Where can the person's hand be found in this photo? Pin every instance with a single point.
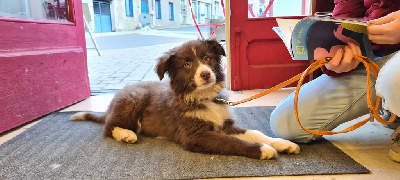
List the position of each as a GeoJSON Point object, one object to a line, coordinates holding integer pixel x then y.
{"type": "Point", "coordinates": [343, 60]}
{"type": "Point", "coordinates": [385, 30]}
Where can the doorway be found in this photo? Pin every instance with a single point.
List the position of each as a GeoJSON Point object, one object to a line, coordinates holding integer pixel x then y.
{"type": "Point", "coordinates": [144, 7]}
{"type": "Point", "coordinates": [102, 16]}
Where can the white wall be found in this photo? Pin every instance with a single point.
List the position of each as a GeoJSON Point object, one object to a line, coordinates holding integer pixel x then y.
{"type": "Point", "coordinates": [164, 21]}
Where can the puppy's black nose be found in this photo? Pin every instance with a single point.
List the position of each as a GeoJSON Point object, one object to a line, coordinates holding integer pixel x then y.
{"type": "Point", "coordinates": [205, 75]}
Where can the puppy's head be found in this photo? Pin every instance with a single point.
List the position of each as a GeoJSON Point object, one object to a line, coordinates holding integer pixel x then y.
{"type": "Point", "coordinates": [194, 68]}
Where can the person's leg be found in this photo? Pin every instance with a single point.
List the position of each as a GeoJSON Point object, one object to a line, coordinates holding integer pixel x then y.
{"type": "Point", "coordinates": [387, 85]}
{"type": "Point", "coordinates": [324, 103]}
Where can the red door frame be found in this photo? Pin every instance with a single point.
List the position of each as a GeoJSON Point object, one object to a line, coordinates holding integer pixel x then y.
{"type": "Point", "coordinates": [259, 58]}
{"type": "Point", "coordinates": [43, 66]}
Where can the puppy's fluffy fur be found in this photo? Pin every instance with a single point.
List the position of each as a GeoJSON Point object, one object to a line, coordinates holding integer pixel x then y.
{"type": "Point", "coordinates": [184, 110]}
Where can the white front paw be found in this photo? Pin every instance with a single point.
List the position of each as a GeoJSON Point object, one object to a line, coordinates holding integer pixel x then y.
{"type": "Point", "coordinates": [268, 152]}
{"type": "Point", "coordinates": [282, 145]}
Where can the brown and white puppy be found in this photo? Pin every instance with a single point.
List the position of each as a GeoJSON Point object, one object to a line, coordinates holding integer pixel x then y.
{"type": "Point", "coordinates": [184, 110]}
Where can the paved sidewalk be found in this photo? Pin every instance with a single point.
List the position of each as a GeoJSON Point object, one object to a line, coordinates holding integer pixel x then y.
{"type": "Point", "coordinates": [117, 68]}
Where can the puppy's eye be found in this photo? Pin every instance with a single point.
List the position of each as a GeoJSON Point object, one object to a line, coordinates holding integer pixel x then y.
{"type": "Point", "coordinates": [187, 65]}
{"type": "Point", "coordinates": [206, 58]}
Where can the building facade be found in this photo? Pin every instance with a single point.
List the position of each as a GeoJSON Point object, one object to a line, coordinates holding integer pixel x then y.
{"type": "Point", "coordinates": [126, 15]}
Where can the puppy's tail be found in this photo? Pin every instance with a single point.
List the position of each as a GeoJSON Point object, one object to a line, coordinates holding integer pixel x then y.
{"type": "Point", "coordinates": [85, 116]}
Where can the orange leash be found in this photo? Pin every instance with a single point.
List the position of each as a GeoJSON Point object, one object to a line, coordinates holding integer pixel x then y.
{"type": "Point", "coordinates": [369, 66]}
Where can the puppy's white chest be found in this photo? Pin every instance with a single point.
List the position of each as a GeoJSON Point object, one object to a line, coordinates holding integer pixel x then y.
{"type": "Point", "coordinates": [213, 112]}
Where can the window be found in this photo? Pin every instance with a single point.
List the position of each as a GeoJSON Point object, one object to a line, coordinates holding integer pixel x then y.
{"type": "Point", "coordinates": [129, 8]}
{"type": "Point", "coordinates": [215, 9]}
{"type": "Point", "coordinates": [212, 14]}
{"type": "Point", "coordinates": [257, 8]}
{"type": "Point", "coordinates": [171, 11]}
{"type": "Point", "coordinates": [39, 9]}
{"type": "Point", "coordinates": [194, 4]}
{"type": "Point", "coordinates": [207, 11]}
{"type": "Point", "coordinates": [183, 8]}
{"type": "Point", "coordinates": [158, 9]}
{"type": "Point", "coordinates": [198, 10]}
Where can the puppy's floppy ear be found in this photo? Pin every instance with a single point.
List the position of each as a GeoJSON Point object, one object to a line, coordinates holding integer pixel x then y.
{"type": "Point", "coordinates": [163, 64]}
{"type": "Point", "coordinates": [216, 46]}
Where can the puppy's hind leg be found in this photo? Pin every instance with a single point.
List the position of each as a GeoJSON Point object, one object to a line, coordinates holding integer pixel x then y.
{"type": "Point", "coordinates": [122, 127]}
{"type": "Point", "coordinates": [125, 112]}
{"type": "Point", "coordinates": [125, 135]}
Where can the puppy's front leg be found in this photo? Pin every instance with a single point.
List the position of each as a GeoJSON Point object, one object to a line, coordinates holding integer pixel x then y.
{"type": "Point", "coordinates": [281, 145]}
{"type": "Point", "coordinates": [215, 143]}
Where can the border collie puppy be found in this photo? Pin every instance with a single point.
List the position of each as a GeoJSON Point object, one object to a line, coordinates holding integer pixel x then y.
{"type": "Point", "coordinates": [185, 109]}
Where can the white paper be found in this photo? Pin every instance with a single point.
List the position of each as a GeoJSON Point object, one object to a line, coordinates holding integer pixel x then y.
{"type": "Point", "coordinates": [286, 28]}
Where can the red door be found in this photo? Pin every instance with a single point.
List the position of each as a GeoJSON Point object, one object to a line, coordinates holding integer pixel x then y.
{"type": "Point", "coordinates": [42, 59]}
{"type": "Point", "coordinates": [259, 58]}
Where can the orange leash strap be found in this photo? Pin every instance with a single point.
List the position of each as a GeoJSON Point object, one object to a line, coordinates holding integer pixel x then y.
{"type": "Point", "coordinates": [369, 66]}
{"type": "Point", "coordinates": [279, 86]}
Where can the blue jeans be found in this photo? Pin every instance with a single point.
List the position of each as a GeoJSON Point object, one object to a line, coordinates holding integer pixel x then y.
{"type": "Point", "coordinates": [326, 102]}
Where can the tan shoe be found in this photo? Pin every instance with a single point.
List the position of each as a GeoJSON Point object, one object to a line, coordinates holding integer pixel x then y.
{"type": "Point", "coordinates": [394, 152]}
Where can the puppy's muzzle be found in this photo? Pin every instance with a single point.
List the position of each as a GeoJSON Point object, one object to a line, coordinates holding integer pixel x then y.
{"type": "Point", "coordinates": [205, 75]}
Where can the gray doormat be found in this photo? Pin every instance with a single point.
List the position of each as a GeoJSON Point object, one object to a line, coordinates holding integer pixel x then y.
{"type": "Point", "coordinates": [57, 148]}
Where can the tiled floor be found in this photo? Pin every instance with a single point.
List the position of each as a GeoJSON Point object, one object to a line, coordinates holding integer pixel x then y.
{"type": "Point", "coordinates": [368, 145]}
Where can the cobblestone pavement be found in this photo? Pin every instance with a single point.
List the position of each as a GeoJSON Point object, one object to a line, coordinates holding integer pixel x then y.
{"type": "Point", "coordinates": [117, 68]}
